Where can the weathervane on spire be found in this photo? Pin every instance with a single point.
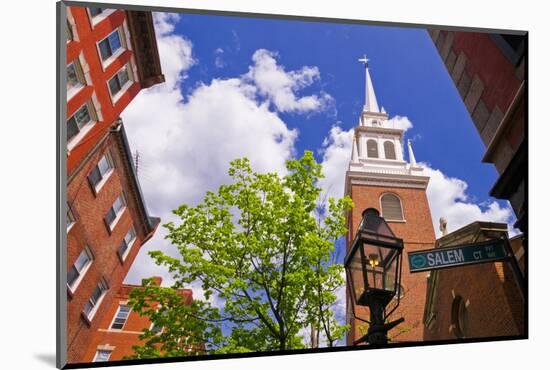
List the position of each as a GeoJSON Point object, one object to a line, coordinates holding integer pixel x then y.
{"type": "Point", "coordinates": [364, 60]}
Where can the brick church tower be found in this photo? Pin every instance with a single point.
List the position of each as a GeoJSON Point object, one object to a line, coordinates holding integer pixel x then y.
{"type": "Point", "coordinates": [379, 177]}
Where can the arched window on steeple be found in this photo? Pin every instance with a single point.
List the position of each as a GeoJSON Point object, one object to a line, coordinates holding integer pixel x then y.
{"type": "Point", "coordinates": [372, 148]}
{"type": "Point", "coordinates": [389, 150]}
{"type": "Point", "coordinates": [392, 209]}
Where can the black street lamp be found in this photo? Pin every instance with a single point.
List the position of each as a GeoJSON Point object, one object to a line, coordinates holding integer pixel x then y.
{"type": "Point", "coordinates": [373, 269]}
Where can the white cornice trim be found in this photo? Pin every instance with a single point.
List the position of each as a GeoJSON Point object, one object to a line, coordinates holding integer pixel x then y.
{"type": "Point", "coordinates": [382, 179]}
{"type": "Point", "coordinates": [380, 130]}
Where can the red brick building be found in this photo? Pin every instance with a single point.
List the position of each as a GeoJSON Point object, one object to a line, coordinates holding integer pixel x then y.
{"type": "Point", "coordinates": [380, 178]}
{"type": "Point", "coordinates": [111, 55]}
{"type": "Point", "coordinates": [107, 224]}
{"type": "Point", "coordinates": [489, 73]}
{"type": "Point", "coordinates": [121, 327]}
{"type": "Point", "coordinates": [475, 301]}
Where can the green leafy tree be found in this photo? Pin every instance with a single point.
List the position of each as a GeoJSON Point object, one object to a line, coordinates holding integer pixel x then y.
{"type": "Point", "coordinates": [179, 328]}
{"type": "Point", "coordinates": [260, 245]}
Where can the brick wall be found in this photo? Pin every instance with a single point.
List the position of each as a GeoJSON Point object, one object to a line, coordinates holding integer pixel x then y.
{"type": "Point", "coordinates": [493, 300]}
{"type": "Point", "coordinates": [90, 230]}
{"type": "Point", "coordinates": [121, 341]}
{"type": "Point", "coordinates": [85, 48]}
{"type": "Point", "coordinates": [417, 233]}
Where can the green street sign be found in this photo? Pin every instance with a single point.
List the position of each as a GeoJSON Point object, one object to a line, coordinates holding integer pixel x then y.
{"type": "Point", "coordinates": [459, 255]}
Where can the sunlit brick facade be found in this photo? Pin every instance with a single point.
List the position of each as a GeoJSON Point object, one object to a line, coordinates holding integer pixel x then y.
{"type": "Point", "coordinates": [379, 177]}
{"type": "Point", "coordinates": [119, 329]}
{"type": "Point", "coordinates": [111, 56]}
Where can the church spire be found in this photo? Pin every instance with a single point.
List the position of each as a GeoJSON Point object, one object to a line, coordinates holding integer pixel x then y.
{"type": "Point", "coordinates": [371, 105]}
{"type": "Point", "coordinates": [412, 159]}
{"type": "Point", "coordinates": [354, 154]}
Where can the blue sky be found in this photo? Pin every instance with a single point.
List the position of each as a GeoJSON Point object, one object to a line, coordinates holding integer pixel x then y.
{"type": "Point", "coordinates": [408, 75]}
{"type": "Point", "coordinates": [270, 89]}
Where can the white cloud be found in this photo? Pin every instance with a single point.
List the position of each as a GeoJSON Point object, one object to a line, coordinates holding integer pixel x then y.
{"type": "Point", "coordinates": [448, 198]}
{"type": "Point", "coordinates": [218, 61]}
{"type": "Point", "coordinates": [280, 87]}
{"type": "Point", "coordinates": [175, 51]}
{"type": "Point", "coordinates": [186, 143]}
{"type": "Point", "coordinates": [336, 156]}
{"type": "Point", "coordinates": [401, 122]}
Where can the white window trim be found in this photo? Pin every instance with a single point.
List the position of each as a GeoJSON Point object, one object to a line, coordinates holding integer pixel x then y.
{"type": "Point", "coordinates": [103, 180]}
{"type": "Point", "coordinates": [129, 247]}
{"type": "Point", "coordinates": [80, 277]}
{"type": "Point", "coordinates": [102, 350]}
{"type": "Point", "coordinates": [123, 47]}
{"type": "Point", "coordinates": [161, 329]}
{"type": "Point", "coordinates": [403, 220]}
{"type": "Point", "coordinates": [117, 218]}
{"type": "Point", "coordinates": [100, 17]}
{"type": "Point", "coordinates": [125, 87]}
{"type": "Point", "coordinates": [70, 226]}
{"type": "Point", "coordinates": [116, 313]}
{"type": "Point", "coordinates": [80, 76]}
{"type": "Point", "coordinates": [84, 131]}
{"type": "Point", "coordinates": [92, 313]}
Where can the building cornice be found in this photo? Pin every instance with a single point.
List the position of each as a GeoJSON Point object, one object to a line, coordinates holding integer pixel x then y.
{"type": "Point", "coordinates": [379, 130]}
{"type": "Point", "coordinates": [385, 179]}
{"type": "Point", "coordinates": [124, 148]}
{"type": "Point", "coordinates": [144, 45]}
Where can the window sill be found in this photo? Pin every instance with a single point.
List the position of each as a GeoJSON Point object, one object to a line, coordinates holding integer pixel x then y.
{"type": "Point", "coordinates": [77, 138]}
{"type": "Point", "coordinates": [72, 289]}
{"type": "Point", "coordinates": [113, 224]}
{"type": "Point", "coordinates": [127, 252]}
{"type": "Point", "coordinates": [397, 221]}
{"type": "Point", "coordinates": [100, 17]}
{"type": "Point", "coordinates": [88, 318]}
{"type": "Point", "coordinates": [102, 182]}
{"type": "Point", "coordinates": [70, 227]}
{"type": "Point", "coordinates": [74, 91]}
{"type": "Point", "coordinates": [107, 62]}
{"type": "Point", "coordinates": [123, 89]}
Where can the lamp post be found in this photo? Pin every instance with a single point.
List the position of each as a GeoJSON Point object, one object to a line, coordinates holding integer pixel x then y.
{"type": "Point", "coordinates": [373, 270]}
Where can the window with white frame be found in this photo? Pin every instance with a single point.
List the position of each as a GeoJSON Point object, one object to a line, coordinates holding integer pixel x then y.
{"type": "Point", "coordinates": [70, 35]}
{"type": "Point", "coordinates": [96, 11]}
{"type": "Point", "coordinates": [115, 211]}
{"type": "Point", "coordinates": [156, 328]}
{"type": "Point", "coordinates": [99, 14]}
{"type": "Point", "coordinates": [120, 81]}
{"type": "Point", "coordinates": [111, 45]}
{"type": "Point", "coordinates": [372, 148]}
{"type": "Point", "coordinates": [70, 217]}
{"type": "Point", "coordinates": [79, 268]}
{"type": "Point", "coordinates": [75, 78]}
{"type": "Point", "coordinates": [389, 150]}
{"type": "Point", "coordinates": [102, 356]}
{"type": "Point", "coordinates": [101, 171]}
{"type": "Point", "coordinates": [391, 207]}
{"type": "Point", "coordinates": [121, 316]}
{"type": "Point", "coordinates": [90, 308]}
{"type": "Point", "coordinates": [78, 123]}
{"type": "Point", "coordinates": [127, 243]}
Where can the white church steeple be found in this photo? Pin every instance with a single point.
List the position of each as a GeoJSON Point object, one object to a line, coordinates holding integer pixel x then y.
{"type": "Point", "coordinates": [371, 105]}
{"type": "Point", "coordinates": [377, 148]}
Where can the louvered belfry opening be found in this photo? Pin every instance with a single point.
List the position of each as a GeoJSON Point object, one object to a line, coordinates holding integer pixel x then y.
{"type": "Point", "coordinates": [372, 149]}
{"type": "Point", "coordinates": [389, 150]}
{"type": "Point", "coordinates": [391, 207]}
